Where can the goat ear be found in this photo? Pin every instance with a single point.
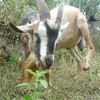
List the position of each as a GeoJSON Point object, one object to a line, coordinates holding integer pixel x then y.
{"type": "Point", "coordinates": [64, 26]}
{"type": "Point", "coordinates": [21, 29]}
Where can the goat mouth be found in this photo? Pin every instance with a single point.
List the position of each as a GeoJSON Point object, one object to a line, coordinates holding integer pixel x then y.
{"type": "Point", "coordinates": [40, 65]}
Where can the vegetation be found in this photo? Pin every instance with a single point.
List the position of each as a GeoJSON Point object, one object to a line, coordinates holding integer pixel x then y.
{"type": "Point", "coordinates": [66, 87]}
{"type": "Point", "coordinates": [38, 83]}
{"type": "Point", "coordinates": [63, 79]}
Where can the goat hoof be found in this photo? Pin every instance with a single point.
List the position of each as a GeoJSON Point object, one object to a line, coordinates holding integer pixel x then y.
{"type": "Point", "coordinates": [85, 69]}
{"type": "Point", "coordinates": [87, 65]}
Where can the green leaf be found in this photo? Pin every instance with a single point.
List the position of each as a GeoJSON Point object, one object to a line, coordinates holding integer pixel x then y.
{"type": "Point", "coordinates": [35, 94]}
{"type": "Point", "coordinates": [43, 83]}
{"type": "Point", "coordinates": [23, 84]}
{"type": "Point", "coordinates": [30, 71]}
{"type": "Point", "coordinates": [40, 73]}
{"type": "Point", "coordinates": [22, 98]}
{"type": "Point", "coordinates": [26, 97]}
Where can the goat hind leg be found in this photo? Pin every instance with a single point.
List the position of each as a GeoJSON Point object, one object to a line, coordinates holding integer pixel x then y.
{"type": "Point", "coordinates": [80, 61]}
{"type": "Point", "coordinates": [83, 26]}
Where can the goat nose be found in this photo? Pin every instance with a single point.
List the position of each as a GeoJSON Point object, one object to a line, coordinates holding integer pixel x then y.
{"type": "Point", "coordinates": [49, 60]}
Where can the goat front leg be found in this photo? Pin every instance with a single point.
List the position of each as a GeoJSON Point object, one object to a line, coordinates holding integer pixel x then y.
{"type": "Point", "coordinates": [20, 64]}
{"type": "Point", "coordinates": [21, 68]}
{"type": "Point", "coordinates": [32, 66]}
{"type": "Point", "coordinates": [48, 76]}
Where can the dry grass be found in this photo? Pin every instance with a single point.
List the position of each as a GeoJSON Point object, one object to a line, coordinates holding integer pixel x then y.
{"type": "Point", "coordinates": [63, 79]}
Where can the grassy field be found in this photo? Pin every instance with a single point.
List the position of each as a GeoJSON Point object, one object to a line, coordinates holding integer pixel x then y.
{"type": "Point", "coordinates": [87, 87]}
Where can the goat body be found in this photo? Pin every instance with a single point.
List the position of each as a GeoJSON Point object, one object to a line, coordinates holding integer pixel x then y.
{"type": "Point", "coordinates": [70, 38]}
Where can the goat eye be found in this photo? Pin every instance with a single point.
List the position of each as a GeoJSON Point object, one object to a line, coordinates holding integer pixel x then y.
{"type": "Point", "coordinates": [29, 22]}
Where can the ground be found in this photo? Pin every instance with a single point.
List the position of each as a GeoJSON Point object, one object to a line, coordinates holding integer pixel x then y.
{"type": "Point", "coordinates": [87, 87]}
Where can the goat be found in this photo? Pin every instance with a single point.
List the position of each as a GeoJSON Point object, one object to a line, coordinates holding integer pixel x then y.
{"type": "Point", "coordinates": [42, 52]}
{"type": "Point", "coordinates": [30, 17]}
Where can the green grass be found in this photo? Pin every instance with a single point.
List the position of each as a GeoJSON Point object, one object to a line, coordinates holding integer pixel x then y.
{"type": "Point", "coordinates": [87, 87]}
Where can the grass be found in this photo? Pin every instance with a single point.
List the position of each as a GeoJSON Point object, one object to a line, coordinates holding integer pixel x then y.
{"type": "Point", "coordinates": [87, 87]}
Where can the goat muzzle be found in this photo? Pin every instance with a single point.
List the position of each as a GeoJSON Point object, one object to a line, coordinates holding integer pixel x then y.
{"type": "Point", "coordinates": [49, 61]}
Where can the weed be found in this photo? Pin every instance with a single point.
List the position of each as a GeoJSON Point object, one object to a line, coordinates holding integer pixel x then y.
{"type": "Point", "coordinates": [36, 84]}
